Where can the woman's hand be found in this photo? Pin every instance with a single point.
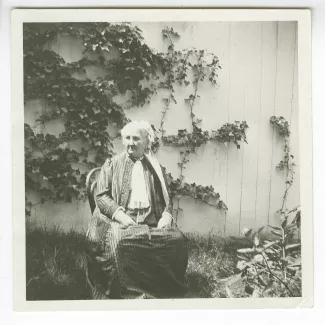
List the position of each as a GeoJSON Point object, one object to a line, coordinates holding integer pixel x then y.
{"type": "Point", "coordinates": [165, 221]}
{"type": "Point", "coordinates": [124, 219]}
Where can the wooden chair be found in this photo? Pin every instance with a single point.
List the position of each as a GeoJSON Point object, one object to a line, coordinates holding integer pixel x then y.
{"type": "Point", "coordinates": [91, 187]}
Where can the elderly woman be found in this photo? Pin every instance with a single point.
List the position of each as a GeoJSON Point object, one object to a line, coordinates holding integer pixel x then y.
{"type": "Point", "coordinates": [137, 251]}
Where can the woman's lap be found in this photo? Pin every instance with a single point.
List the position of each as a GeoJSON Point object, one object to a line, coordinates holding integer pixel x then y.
{"type": "Point", "coordinates": [140, 259]}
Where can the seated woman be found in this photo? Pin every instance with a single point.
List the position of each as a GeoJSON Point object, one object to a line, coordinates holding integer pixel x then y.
{"type": "Point", "coordinates": [137, 250]}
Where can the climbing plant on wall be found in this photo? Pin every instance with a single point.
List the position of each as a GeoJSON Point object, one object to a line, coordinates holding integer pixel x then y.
{"type": "Point", "coordinates": [88, 110]}
{"type": "Point", "coordinates": [287, 164]}
{"type": "Point", "coordinates": [202, 65]}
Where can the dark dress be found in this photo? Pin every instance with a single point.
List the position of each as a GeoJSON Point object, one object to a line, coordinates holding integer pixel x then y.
{"type": "Point", "coordinates": [140, 261]}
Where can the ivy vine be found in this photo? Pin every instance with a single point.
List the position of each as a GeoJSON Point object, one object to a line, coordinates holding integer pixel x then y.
{"type": "Point", "coordinates": [205, 194]}
{"type": "Point", "coordinates": [231, 133]}
{"type": "Point", "coordinates": [172, 59]}
{"type": "Point", "coordinates": [287, 163]}
{"type": "Point", "coordinates": [86, 107]}
{"type": "Point", "coordinates": [178, 70]}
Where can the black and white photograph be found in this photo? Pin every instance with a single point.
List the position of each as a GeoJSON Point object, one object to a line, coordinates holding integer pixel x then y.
{"type": "Point", "coordinates": [162, 157]}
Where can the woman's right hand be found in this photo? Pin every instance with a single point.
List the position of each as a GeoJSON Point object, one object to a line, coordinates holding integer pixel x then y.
{"type": "Point", "coordinates": [124, 219]}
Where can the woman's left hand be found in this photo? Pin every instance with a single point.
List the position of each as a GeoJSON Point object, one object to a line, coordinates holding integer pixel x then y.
{"type": "Point", "coordinates": [165, 221]}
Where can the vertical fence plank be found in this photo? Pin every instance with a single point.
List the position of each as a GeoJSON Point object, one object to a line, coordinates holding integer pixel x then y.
{"type": "Point", "coordinates": [268, 85]}
{"type": "Point", "coordinates": [211, 161]}
{"type": "Point", "coordinates": [294, 193]}
{"type": "Point", "coordinates": [252, 116]}
{"type": "Point", "coordinates": [236, 112]}
{"type": "Point", "coordinates": [220, 158]}
{"type": "Point", "coordinates": [283, 97]}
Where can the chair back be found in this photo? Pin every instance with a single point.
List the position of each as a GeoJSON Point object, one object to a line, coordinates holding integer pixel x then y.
{"type": "Point", "coordinates": [91, 183]}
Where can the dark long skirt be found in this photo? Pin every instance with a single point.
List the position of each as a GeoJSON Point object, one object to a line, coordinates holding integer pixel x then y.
{"type": "Point", "coordinates": [138, 262]}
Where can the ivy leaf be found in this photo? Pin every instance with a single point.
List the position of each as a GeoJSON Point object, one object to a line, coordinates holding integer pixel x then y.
{"type": "Point", "coordinates": [89, 99]}
{"type": "Point", "coordinates": [96, 110]}
{"type": "Point", "coordinates": [105, 48]}
{"type": "Point", "coordinates": [63, 146]}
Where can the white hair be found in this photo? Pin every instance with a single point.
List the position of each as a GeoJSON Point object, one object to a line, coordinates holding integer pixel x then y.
{"type": "Point", "coordinates": [143, 126]}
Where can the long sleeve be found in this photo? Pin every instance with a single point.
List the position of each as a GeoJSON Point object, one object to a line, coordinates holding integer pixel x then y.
{"type": "Point", "coordinates": [104, 200]}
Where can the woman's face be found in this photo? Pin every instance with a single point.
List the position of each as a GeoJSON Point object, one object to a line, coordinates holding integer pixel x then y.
{"type": "Point", "coordinates": [135, 143]}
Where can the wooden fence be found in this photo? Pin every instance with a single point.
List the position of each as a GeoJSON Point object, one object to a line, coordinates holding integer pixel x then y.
{"type": "Point", "coordinates": [258, 80]}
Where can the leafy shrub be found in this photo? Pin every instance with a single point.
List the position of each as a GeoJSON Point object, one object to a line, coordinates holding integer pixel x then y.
{"type": "Point", "coordinates": [272, 268]}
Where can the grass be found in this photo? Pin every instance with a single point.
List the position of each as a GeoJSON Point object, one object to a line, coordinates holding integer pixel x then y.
{"type": "Point", "coordinates": [56, 264]}
{"type": "Point", "coordinates": [212, 260]}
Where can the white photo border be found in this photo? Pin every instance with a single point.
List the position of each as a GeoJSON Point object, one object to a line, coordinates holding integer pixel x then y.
{"type": "Point", "coordinates": [303, 18]}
